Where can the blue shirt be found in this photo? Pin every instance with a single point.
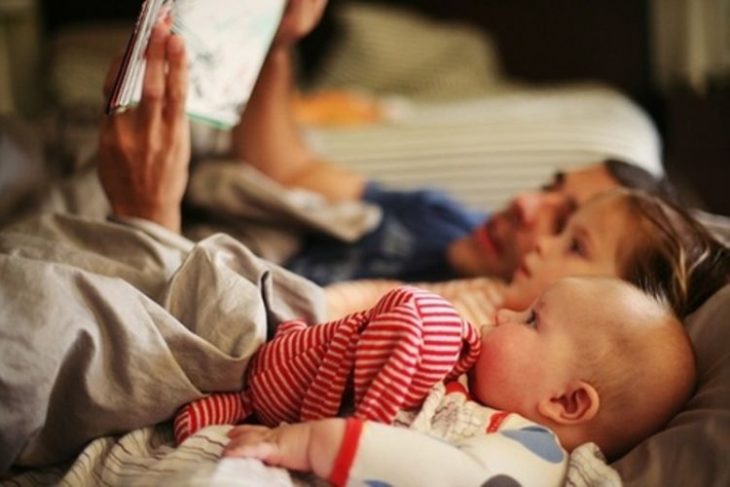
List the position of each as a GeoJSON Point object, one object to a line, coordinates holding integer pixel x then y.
{"type": "Point", "coordinates": [409, 244]}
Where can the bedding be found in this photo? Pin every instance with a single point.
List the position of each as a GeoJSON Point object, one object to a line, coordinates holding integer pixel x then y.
{"type": "Point", "coordinates": [93, 315]}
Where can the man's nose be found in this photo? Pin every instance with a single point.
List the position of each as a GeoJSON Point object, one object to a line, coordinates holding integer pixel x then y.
{"type": "Point", "coordinates": [527, 206]}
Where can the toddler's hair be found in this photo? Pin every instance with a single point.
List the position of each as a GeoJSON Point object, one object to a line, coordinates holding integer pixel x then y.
{"type": "Point", "coordinates": [670, 255]}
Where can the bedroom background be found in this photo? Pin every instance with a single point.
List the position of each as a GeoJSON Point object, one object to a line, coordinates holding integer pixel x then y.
{"type": "Point", "coordinates": [670, 56]}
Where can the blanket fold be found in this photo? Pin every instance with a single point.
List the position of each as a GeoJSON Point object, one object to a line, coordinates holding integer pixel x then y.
{"type": "Point", "coordinates": [107, 327]}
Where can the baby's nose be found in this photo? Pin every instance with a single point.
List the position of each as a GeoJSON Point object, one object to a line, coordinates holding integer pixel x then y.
{"type": "Point", "coordinates": [486, 329]}
{"type": "Point", "coordinates": [505, 315]}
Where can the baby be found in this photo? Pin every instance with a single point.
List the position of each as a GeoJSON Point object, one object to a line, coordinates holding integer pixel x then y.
{"type": "Point", "coordinates": [593, 360]}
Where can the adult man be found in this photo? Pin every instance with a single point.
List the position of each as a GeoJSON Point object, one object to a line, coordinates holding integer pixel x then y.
{"type": "Point", "coordinates": [423, 235]}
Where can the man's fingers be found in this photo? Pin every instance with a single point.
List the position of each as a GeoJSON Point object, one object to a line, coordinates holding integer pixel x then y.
{"type": "Point", "coordinates": [177, 80]}
{"type": "Point", "coordinates": [153, 90]}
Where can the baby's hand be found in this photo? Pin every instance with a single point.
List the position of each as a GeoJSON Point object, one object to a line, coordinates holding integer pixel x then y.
{"type": "Point", "coordinates": [284, 446]}
{"type": "Point", "coordinates": [309, 447]}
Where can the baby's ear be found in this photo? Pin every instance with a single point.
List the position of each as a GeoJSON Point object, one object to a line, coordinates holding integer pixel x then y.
{"type": "Point", "coordinates": [579, 403]}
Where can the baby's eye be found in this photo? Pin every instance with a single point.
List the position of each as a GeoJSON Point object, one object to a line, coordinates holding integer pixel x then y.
{"type": "Point", "coordinates": [532, 319]}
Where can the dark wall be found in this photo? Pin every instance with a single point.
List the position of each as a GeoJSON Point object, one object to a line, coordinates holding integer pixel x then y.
{"type": "Point", "coordinates": [557, 40]}
{"type": "Point", "coordinates": [57, 13]}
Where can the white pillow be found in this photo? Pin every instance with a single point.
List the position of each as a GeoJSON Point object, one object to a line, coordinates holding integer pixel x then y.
{"type": "Point", "coordinates": [693, 449]}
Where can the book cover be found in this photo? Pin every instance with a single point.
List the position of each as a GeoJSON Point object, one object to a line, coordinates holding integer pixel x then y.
{"type": "Point", "coordinates": [226, 43]}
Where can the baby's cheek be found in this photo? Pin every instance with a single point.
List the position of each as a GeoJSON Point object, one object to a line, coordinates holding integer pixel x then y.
{"type": "Point", "coordinates": [497, 378]}
{"type": "Point", "coordinates": [487, 373]}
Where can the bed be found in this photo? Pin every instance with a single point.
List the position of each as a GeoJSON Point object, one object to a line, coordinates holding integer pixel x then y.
{"type": "Point", "coordinates": [502, 137]}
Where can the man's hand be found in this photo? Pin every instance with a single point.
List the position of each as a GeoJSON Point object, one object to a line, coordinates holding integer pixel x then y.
{"type": "Point", "coordinates": [308, 447]}
{"type": "Point", "coordinates": [144, 152]}
{"type": "Point", "coordinates": [300, 18]}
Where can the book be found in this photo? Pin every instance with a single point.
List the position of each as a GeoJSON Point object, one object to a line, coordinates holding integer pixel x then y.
{"type": "Point", "coordinates": [226, 43]}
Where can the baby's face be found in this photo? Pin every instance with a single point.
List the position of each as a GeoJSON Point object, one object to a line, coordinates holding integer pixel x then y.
{"type": "Point", "coordinates": [530, 355]}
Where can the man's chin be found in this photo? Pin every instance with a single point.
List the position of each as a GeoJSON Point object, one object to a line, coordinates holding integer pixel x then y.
{"type": "Point", "coordinates": [485, 243]}
{"type": "Point", "coordinates": [468, 258]}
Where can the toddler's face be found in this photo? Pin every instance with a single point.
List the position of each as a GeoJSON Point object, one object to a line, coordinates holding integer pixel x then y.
{"type": "Point", "coordinates": [588, 246]}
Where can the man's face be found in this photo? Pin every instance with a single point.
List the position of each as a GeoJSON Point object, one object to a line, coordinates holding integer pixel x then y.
{"type": "Point", "coordinates": [496, 248]}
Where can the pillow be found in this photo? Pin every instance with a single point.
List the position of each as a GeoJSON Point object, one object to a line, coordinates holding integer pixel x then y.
{"type": "Point", "coordinates": [718, 225]}
{"type": "Point", "coordinates": [693, 448]}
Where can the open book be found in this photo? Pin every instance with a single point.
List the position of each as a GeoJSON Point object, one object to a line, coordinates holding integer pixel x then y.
{"type": "Point", "coordinates": [226, 43]}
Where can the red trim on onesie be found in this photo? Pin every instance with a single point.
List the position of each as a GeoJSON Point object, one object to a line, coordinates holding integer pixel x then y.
{"type": "Point", "coordinates": [348, 448]}
{"type": "Point", "coordinates": [495, 422]}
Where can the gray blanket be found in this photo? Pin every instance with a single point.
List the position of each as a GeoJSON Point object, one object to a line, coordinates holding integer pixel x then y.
{"type": "Point", "coordinates": [106, 327]}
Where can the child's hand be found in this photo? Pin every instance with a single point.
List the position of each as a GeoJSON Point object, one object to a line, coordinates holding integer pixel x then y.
{"type": "Point", "coordinates": [284, 446]}
{"type": "Point", "coordinates": [302, 446]}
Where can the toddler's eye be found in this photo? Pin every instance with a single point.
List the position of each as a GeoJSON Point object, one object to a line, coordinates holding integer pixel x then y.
{"type": "Point", "coordinates": [532, 319]}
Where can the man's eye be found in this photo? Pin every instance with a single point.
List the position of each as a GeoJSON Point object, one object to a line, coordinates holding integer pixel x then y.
{"type": "Point", "coordinates": [555, 184]}
{"type": "Point", "coordinates": [547, 187]}
{"type": "Point", "coordinates": [576, 247]}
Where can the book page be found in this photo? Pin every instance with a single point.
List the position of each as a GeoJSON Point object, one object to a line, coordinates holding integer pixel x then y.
{"type": "Point", "coordinates": [227, 42]}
